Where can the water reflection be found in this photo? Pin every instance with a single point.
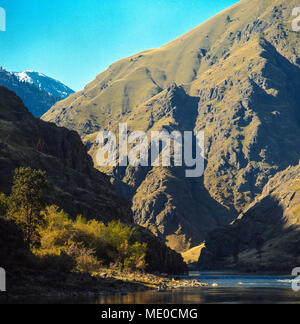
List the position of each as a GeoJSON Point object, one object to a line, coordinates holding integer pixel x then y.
{"type": "Point", "coordinates": [231, 288]}
{"type": "Point", "coordinates": [207, 296]}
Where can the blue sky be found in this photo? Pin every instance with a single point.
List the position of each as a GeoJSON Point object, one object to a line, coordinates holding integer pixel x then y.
{"type": "Point", "coordinates": [73, 41]}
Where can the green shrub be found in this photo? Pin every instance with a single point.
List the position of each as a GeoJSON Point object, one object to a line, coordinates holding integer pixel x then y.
{"type": "Point", "coordinates": [85, 259]}
{"type": "Point", "coordinates": [90, 243]}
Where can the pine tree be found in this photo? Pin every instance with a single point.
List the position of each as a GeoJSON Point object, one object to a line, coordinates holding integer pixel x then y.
{"type": "Point", "coordinates": [27, 201]}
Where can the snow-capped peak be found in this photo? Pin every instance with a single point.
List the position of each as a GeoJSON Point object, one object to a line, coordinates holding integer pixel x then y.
{"type": "Point", "coordinates": [24, 77]}
{"type": "Point", "coordinates": [42, 81]}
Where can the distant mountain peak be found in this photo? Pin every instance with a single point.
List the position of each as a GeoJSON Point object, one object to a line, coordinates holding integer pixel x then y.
{"type": "Point", "coordinates": [38, 91]}
{"type": "Point", "coordinates": [44, 82]}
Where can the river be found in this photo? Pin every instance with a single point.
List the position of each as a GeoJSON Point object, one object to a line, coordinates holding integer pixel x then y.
{"type": "Point", "coordinates": [229, 288]}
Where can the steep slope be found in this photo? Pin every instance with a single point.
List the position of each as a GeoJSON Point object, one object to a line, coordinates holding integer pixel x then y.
{"type": "Point", "coordinates": [43, 82]}
{"type": "Point", "coordinates": [75, 185]}
{"type": "Point", "coordinates": [37, 91]}
{"type": "Point", "coordinates": [236, 77]}
{"type": "Point", "coordinates": [267, 235]}
{"type": "Point", "coordinates": [173, 207]}
{"type": "Point", "coordinates": [250, 114]}
{"type": "Point", "coordinates": [192, 256]}
{"type": "Point", "coordinates": [134, 80]}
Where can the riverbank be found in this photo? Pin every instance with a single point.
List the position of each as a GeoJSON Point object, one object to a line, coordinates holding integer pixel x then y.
{"type": "Point", "coordinates": [50, 284]}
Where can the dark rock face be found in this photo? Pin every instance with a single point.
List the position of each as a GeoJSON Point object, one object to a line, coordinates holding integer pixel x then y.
{"type": "Point", "coordinates": [75, 185]}
{"type": "Point", "coordinates": [161, 258]}
{"type": "Point", "coordinates": [251, 122]}
{"type": "Point", "coordinates": [266, 236]}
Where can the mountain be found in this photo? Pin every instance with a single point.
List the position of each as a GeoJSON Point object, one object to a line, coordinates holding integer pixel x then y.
{"type": "Point", "coordinates": [235, 77]}
{"type": "Point", "coordinates": [37, 91]}
{"type": "Point", "coordinates": [266, 235]}
{"type": "Point", "coordinates": [75, 185]}
{"type": "Point", "coordinates": [43, 82]}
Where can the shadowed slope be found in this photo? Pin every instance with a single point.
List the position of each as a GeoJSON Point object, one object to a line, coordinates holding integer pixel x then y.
{"type": "Point", "coordinates": [76, 186]}
{"type": "Point", "coordinates": [266, 236]}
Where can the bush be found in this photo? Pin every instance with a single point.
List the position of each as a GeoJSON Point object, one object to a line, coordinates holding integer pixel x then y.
{"type": "Point", "coordinates": [90, 243]}
{"type": "Point", "coordinates": [56, 228]}
{"type": "Point", "coordinates": [87, 264]}
{"type": "Point", "coordinates": [85, 259]}
{"type": "Point", "coordinates": [55, 259]}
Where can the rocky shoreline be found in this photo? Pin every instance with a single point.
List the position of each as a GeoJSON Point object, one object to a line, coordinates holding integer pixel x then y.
{"type": "Point", "coordinates": [30, 285]}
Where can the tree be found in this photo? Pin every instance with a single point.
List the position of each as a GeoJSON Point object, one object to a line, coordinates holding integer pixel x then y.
{"type": "Point", "coordinates": [27, 201]}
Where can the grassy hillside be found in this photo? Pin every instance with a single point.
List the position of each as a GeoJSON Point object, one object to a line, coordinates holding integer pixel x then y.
{"type": "Point", "coordinates": [193, 255]}
{"type": "Point", "coordinates": [134, 80]}
{"type": "Point", "coordinates": [236, 77]}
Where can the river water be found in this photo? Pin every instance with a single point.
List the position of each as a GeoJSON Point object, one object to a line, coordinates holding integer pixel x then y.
{"type": "Point", "coordinates": [224, 288]}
